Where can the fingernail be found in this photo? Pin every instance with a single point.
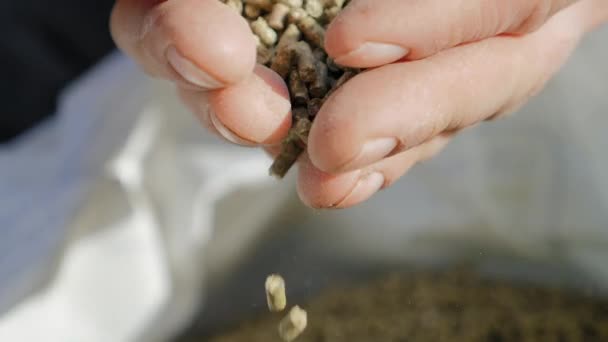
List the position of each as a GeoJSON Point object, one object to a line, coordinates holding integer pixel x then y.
{"type": "Point", "coordinates": [365, 188]}
{"type": "Point", "coordinates": [226, 132]}
{"type": "Point", "coordinates": [190, 72]}
{"type": "Point", "coordinates": [371, 152]}
{"type": "Point", "coordinates": [372, 54]}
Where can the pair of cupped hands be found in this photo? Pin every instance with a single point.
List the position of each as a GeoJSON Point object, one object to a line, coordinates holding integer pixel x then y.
{"type": "Point", "coordinates": [435, 68]}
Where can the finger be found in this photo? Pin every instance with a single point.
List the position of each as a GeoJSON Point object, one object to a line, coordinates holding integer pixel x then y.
{"type": "Point", "coordinates": [370, 33]}
{"type": "Point", "coordinates": [198, 43]}
{"type": "Point", "coordinates": [318, 189]}
{"type": "Point", "coordinates": [590, 14]}
{"type": "Point", "coordinates": [399, 106]}
{"type": "Point", "coordinates": [253, 112]}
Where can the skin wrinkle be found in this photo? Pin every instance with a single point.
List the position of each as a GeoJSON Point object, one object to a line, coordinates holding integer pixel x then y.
{"type": "Point", "coordinates": [197, 103]}
{"type": "Point", "coordinates": [441, 12]}
{"type": "Point", "coordinates": [536, 17]}
{"type": "Point", "coordinates": [329, 124]}
{"type": "Point", "coordinates": [339, 203]}
{"type": "Point", "coordinates": [461, 116]}
{"type": "Point", "coordinates": [534, 52]}
{"type": "Point", "coordinates": [155, 45]}
{"type": "Point", "coordinates": [151, 20]}
{"type": "Point", "coordinates": [540, 13]}
{"type": "Point", "coordinates": [332, 126]}
{"type": "Point", "coordinates": [316, 189]}
{"type": "Point", "coordinates": [351, 34]}
{"type": "Point", "coordinates": [460, 109]}
{"type": "Point", "coordinates": [439, 119]}
{"type": "Point", "coordinates": [469, 13]}
{"type": "Point", "coordinates": [432, 120]}
{"type": "Point", "coordinates": [493, 16]}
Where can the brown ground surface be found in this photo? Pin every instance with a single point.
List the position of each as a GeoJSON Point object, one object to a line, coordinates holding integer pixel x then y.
{"type": "Point", "coordinates": [451, 306]}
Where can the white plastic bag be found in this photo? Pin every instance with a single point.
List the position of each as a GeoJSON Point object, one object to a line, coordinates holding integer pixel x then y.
{"type": "Point", "coordinates": [134, 184]}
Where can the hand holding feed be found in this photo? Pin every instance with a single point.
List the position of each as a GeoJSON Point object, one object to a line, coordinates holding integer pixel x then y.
{"type": "Point", "coordinates": [465, 62]}
{"type": "Point", "coordinates": [436, 67]}
{"type": "Point", "coordinates": [207, 50]}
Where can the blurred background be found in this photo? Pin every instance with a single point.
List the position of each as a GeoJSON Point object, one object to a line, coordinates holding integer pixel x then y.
{"type": "Point", "coordinates": [123, 220]}
{"type": "Point", "coordinates": [44, 46]}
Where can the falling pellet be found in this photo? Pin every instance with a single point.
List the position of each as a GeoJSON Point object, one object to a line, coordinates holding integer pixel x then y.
{"type": "Point", "coordinates": [293, 324]}
{"type": "Point", "coordinates": [275, 293]}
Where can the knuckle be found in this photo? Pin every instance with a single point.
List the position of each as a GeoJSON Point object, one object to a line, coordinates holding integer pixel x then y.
{"type": "Point", "coordinates": [392, 179]}
{"type": "Point", "coordinates": [541, 11]}
{"type": "Point", "coordinates": [159, 21]}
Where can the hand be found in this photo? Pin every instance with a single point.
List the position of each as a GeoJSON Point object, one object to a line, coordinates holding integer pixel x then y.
{"type": "Point", "coordinates": [466, 61]}
{"type": "Point", "coordinates": [383, 121]}
{"type": "Point", "coordinates": [208, 51]}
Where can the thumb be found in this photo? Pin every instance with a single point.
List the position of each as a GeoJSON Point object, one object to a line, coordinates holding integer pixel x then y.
{"type": "Point", "coordinates": [200, 43]}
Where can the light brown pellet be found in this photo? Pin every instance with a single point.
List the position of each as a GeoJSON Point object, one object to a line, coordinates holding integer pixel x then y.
{"type": "Point", "coordinates": [293, 3]}
{"type": "Point", "coordinates": [276, 18]}
{"type": "Point", "coordinates": [284, 52]}
{"type": "Point", "coordinates": [314, 105]}
{"type": "Point", "coordinates": [275, 293]}
{"type": "Point", "coordinates": [302, 127]}
{"type": "Point", "coordinates": [297, 89]}
{"type": "Point", "coordinates": [312, 30]}
{"type": "Point", "coordinates": [267, 35]}
{"type": "Point", "coordinates": [314, 8]}
{"type": "Point", "coordinates": [236, 5]}
{"type": "Point", "coordinates": [295, 14]}
{"type": "Point", "coordinates": [263, 4]}
{"type": "Point", "coordinates": [331, 13]}
{"type": "Point", "coordinates": [305, 61]}
{"type": "Point", "coordinates": [319, 85]}
{"type": "Point", "coordinates": [293, 324]}
{"type": "Point", "coordinates": [290, 38]}
{"type": "Point", "coordinates": [252, 11]}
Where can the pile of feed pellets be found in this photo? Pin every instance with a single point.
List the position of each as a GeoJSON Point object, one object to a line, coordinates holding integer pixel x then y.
{"type": "Point", "coordinates": [290, 40]}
